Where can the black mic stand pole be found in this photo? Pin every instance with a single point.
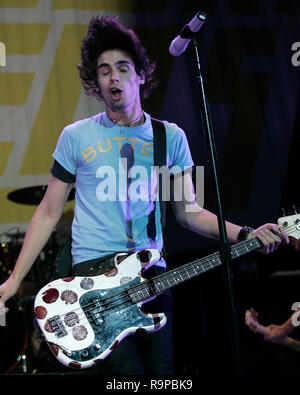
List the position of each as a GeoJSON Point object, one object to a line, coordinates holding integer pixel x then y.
{"type": "Point", "coordinates": [225, 252]}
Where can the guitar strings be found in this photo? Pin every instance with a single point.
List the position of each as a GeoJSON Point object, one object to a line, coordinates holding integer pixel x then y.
{"type": "Point", "coordinates": [136, 287]}
{"type": "Point", "coordinates": [187, 274]}
{"type": "Point", "coordinates": [141, 286]}
{"type": "Point", "coordinates": [115, 303]}
{"type": "Point", "coordinates": [124, 295]}
{"type": "Point", "coordinates": [239, 246]}
{"type": "Point", "coordinates": [188, 269]}
{"type": "Point", "coordinates": [112, 304]}
{"type": "Point", "coordinates": [145, 285]}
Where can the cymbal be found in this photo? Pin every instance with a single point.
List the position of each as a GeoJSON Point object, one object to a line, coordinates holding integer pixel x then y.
{"type": "Point", "coordinates": [32, 195]}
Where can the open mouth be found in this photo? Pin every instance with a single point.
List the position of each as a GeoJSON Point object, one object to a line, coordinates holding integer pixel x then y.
{"type": "Point", "coordinates": [116, 93]}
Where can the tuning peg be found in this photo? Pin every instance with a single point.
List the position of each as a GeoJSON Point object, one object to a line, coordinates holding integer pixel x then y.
{"type": "Point", "coordinates": [283, 212]}
{"type": "Point", "coordinates": [295, 210]}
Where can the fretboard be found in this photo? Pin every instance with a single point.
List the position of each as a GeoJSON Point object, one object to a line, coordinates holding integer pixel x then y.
{"type": "Point", "coordinates": [162, 282]}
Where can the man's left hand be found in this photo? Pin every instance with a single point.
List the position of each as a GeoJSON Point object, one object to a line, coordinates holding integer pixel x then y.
{"type": "Point", "coordinates": [271, 237]}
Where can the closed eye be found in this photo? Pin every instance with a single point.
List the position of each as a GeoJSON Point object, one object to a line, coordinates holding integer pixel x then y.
{"type": "Point", "coordinates": [123, 69]}
{"type": "Point", "coordinates": [123, 66]}
{"type": "Point", "coordinates": [103, 70]}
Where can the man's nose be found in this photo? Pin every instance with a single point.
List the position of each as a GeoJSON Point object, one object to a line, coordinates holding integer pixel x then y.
{"type": "Point", "coordinates": [115, 76]}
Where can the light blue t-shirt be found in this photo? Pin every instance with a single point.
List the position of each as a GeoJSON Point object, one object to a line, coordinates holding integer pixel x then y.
{"type": "Point", "coordinates": [115, 183]}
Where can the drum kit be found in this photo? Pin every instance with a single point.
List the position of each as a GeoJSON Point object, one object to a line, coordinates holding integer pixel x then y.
{"type": "Point", "coordinates": [20, 349]}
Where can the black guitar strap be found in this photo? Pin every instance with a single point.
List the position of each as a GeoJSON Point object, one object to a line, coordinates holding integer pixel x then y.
{"type": "Point", "coordinates": [160, 159]}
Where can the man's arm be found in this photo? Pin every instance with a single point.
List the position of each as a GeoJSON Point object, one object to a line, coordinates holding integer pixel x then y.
{"type": "Point", "coordinates": [277, 333]}
{"type": "Point", "coordinates": [38, 233]}
{"type": "Point", "coordinates": [191, 216]}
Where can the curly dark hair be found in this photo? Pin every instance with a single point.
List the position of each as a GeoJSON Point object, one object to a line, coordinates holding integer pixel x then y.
{"type": "Point", "coordinates": [107, 33]}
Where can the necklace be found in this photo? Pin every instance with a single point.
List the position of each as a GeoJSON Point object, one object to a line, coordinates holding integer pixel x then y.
{"type": "Point", "coordinates": [136, 120]}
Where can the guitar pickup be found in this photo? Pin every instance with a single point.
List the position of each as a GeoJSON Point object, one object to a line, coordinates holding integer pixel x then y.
{"type": "Point", "coordinates": [97, 319]}
{"type": "Point", "coordinates": [94, 314]}
{"type": "Point", "coordinates": [58, 326]}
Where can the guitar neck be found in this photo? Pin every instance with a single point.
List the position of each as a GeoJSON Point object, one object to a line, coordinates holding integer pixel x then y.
{"type": "Point", "coordinates": [162, 282]}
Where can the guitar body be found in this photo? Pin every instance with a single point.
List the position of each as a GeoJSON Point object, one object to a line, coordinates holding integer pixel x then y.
{"type": "Point", "coordinates": [84, 318]}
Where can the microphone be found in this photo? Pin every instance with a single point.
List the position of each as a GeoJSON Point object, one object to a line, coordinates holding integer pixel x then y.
{"type": "Point", "coordinates": [180, 43]}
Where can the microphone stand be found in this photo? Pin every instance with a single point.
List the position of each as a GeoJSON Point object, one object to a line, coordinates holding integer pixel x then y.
{"type": "Point", "coordinates": [225, 252]}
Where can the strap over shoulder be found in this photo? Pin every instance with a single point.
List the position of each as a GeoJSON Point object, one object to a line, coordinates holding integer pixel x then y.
{"type": "Point", "coordinates": [160, 158]}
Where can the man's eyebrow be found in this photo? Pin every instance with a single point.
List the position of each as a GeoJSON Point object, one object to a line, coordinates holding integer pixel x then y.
{"type": "Point", "coordinates": [120, 62]}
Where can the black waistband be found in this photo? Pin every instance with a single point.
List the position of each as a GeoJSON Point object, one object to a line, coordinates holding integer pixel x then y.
{"type": "Point", "coordinates": [95, 267]}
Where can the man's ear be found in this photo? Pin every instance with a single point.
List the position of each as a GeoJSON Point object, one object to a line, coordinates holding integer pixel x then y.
{"type": "Point", "coordinates": [97, 93]}
{"type": "Point", "coordinates": [142, 78]}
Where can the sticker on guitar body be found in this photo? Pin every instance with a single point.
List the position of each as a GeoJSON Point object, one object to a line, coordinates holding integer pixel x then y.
{"type": "Point", "coordinates": [83, 319]}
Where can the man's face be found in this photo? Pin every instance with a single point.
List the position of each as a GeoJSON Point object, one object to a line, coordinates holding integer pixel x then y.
{"type": "Point", "coordinates": [118, 81]}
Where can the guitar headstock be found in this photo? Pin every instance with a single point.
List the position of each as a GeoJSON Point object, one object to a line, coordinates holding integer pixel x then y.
{"type": "Point", "coordinates": [290, 224]}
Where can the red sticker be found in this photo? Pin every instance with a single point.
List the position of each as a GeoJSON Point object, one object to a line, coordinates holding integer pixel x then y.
{"type": "Point", "coordinates": [144, 256]}
{"type": "Point", "coordinates": [48, 327]}
{"type": "Point", "coordinates": [114, 345]}
{"type": "Point", "coordinates": [98, 360]}
{"type": "Point", "coordinates": [54, 348]}
{"type": "Point", "coordinates": [68, 279]}
{"type": "Point", "coordinates": [40, 312]}
{"type": "Point", "coordinates": [142, 331]}
{"type": "Point", "coordinates": [50, 295]}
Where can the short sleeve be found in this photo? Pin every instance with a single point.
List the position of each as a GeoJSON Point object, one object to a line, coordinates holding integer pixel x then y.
{"type": "Point", "coordinates": [66, 151]}
{"type": "Point", "coordinates": [178, 150]}
{"type": "Point", "coordinates": [58, 171]}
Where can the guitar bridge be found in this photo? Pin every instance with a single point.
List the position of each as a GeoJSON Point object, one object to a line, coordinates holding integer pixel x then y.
{"type": "Point", "coordinates": [58, 326]}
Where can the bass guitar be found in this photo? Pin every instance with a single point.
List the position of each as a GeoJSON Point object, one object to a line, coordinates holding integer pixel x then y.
{"type": "Point", "coordinates": [83, 319]}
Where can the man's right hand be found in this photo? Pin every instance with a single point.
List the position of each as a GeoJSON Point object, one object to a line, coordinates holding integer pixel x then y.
{"type": "Point", "coordinates": [7, 290]}
{"type": "Point", "coordinates": [41, 226]}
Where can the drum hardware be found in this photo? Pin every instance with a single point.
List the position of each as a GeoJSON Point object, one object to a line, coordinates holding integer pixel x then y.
{"type": "Point", "coordinates": [19, 351]}
{"type": "Point", "coordinates": [14, 338]}
{"type": "Point", "coordinates": [20, 347]}
{"type": "Point", "coordinates": [32, 195]}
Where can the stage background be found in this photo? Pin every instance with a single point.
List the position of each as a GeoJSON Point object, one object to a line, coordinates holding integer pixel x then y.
{"type": "Point", "coordinates": [251, 75]}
